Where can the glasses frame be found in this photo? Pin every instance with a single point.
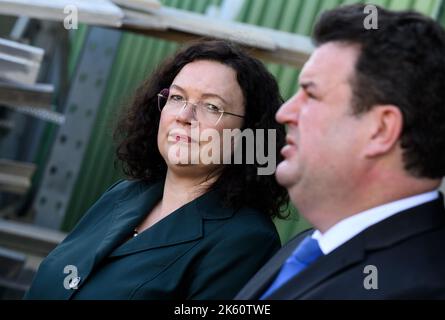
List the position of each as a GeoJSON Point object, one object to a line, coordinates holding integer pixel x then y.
{"type": "Point", "coordinates": [161, 95]}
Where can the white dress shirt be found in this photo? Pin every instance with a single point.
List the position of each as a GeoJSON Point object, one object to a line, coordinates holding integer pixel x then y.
{"type": "Point", "coordinates": [348, 228]}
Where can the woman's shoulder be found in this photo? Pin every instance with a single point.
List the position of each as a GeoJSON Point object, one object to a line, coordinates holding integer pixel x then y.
{"type": "Point", "coordinates": [242, 220]}
{"type": "Point", "coordinates": [122, 186]}
{"type": "Point", "coordinates": [251, 214]}
{"type": "Point", "coordinates": [124, 189]}
{"type": "Point", "coordinates": [119, 191]}
{"type": "Point", "coordinates": [252, 223]}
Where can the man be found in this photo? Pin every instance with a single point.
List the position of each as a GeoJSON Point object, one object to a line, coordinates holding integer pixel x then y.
{"type": "Point", "coordinates": [364, 159]}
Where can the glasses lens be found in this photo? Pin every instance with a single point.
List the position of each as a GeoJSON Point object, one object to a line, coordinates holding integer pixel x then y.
{"type": "Point", "coordinates": [202, 112]}
{"type": "Point", "coordinates": [208, 114]}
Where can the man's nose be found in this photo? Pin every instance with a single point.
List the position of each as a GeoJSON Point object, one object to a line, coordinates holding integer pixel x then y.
{"type": "Point", "coordinates": [288, 112]}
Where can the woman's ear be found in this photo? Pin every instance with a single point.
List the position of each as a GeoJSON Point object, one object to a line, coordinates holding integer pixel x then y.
{"type": "Point", "coordinates": [386, 124]}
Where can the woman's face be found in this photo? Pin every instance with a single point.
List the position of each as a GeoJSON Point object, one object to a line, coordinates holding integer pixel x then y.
{"type": "Point", "coordinates": [190, 139]}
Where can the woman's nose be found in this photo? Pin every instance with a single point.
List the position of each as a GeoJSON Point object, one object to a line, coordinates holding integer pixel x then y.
{"type": "Point", "coordinates": [186, 113]}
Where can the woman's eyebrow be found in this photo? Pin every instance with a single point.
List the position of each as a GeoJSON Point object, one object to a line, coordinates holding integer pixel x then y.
{"type": "Point", "coordinates": [175, 86]}
{"type": "Point", "coordinates": [214, 95]}
{"type": "Point", "coordinates": [205, 95]}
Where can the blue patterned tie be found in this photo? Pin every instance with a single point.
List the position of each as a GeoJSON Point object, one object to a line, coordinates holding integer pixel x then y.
{"type": "Point", "coordinates": [307, 252]}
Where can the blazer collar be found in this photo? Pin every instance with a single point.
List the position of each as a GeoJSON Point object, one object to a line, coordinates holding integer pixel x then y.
{"type": "Point", "coordinates": [183, 225]}
{"type": "Point", "coordinates": [401, 226]}
{"type": "Point", "coordinates": [126, 214]}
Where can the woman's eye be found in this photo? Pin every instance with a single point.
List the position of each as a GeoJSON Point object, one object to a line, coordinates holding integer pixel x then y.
{"type": "Point", "coordinates": [176, 97]}
{"type": "Point", "coordinates": [212, 108]}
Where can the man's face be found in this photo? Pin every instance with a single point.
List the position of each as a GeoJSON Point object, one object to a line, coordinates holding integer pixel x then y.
{"type": "Point", "coordinates": [324, 140]}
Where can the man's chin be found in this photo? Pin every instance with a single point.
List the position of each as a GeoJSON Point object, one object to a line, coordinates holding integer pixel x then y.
{"type": "Point", "coordinates": [283, 175]}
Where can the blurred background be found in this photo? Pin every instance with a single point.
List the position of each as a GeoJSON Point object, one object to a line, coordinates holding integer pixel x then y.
{"type": "Point", "coordinates": [62, 86]}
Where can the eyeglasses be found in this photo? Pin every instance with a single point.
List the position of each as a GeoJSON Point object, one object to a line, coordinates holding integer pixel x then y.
{"type": "Point", "coordinates": [204, 112]}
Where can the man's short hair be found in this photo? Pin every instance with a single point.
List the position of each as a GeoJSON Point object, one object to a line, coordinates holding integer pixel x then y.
{"type": "Point", "coordinates": [401, 63]}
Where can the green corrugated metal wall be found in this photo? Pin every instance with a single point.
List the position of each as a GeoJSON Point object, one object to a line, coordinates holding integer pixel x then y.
{"type": "Point", "coordinates": [137, 57]}
{"type": "Point", "coordinates": [441, 14]}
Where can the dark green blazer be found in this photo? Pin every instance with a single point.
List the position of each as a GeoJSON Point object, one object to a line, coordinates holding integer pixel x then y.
{"type": "Point", "coordinates": [200, 251]}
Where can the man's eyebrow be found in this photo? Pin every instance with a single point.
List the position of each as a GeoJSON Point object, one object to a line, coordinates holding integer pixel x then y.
{"type": "Point", "coordinates": [308, 85]}
{"type": "Point", "coordinates": [205, 95]}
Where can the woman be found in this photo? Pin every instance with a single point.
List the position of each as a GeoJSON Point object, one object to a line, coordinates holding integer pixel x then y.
{"type": "Point", "coordinates": [181, 227]}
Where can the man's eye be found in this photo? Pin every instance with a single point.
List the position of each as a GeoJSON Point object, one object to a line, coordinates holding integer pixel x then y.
{"type": "Point", "coordinates": [311, 95]}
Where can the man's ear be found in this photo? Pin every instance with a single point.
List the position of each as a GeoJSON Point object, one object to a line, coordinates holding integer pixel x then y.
{"type": "Point", "coordinates": [386, 123]}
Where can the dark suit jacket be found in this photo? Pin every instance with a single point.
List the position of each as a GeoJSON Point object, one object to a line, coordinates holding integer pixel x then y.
{"type": "Point", "coordinates": [200, 251]}
{"type": "Point", "coordinates": [407, 249]}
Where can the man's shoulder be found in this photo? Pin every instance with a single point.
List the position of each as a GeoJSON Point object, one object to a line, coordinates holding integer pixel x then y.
{"type": "Point", "coordinates": [411, 268]}
{"type": "Point", "coordinates": [422, 250]}
{"type": "Point", "coordinates": [415, 224]}
{"type": "Point", "coordinates": [405, 252]}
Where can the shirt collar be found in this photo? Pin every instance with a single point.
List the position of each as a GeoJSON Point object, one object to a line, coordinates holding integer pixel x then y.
{"type": "Point", "coordinates": [349, 227]}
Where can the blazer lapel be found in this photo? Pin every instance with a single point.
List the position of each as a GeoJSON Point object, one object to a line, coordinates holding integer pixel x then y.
{"type": "Point", "coordinates": [126, 215]}
{"type": "Point", "coordinates": [183, 225]}
{"type": "Point", "coordinates": [265, 276]}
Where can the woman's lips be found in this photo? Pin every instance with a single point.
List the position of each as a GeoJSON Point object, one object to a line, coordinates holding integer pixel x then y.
{"type": "Point", "coordinates": [183, 138]}
{"type": "Point", "coordinates": [176, 137]}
